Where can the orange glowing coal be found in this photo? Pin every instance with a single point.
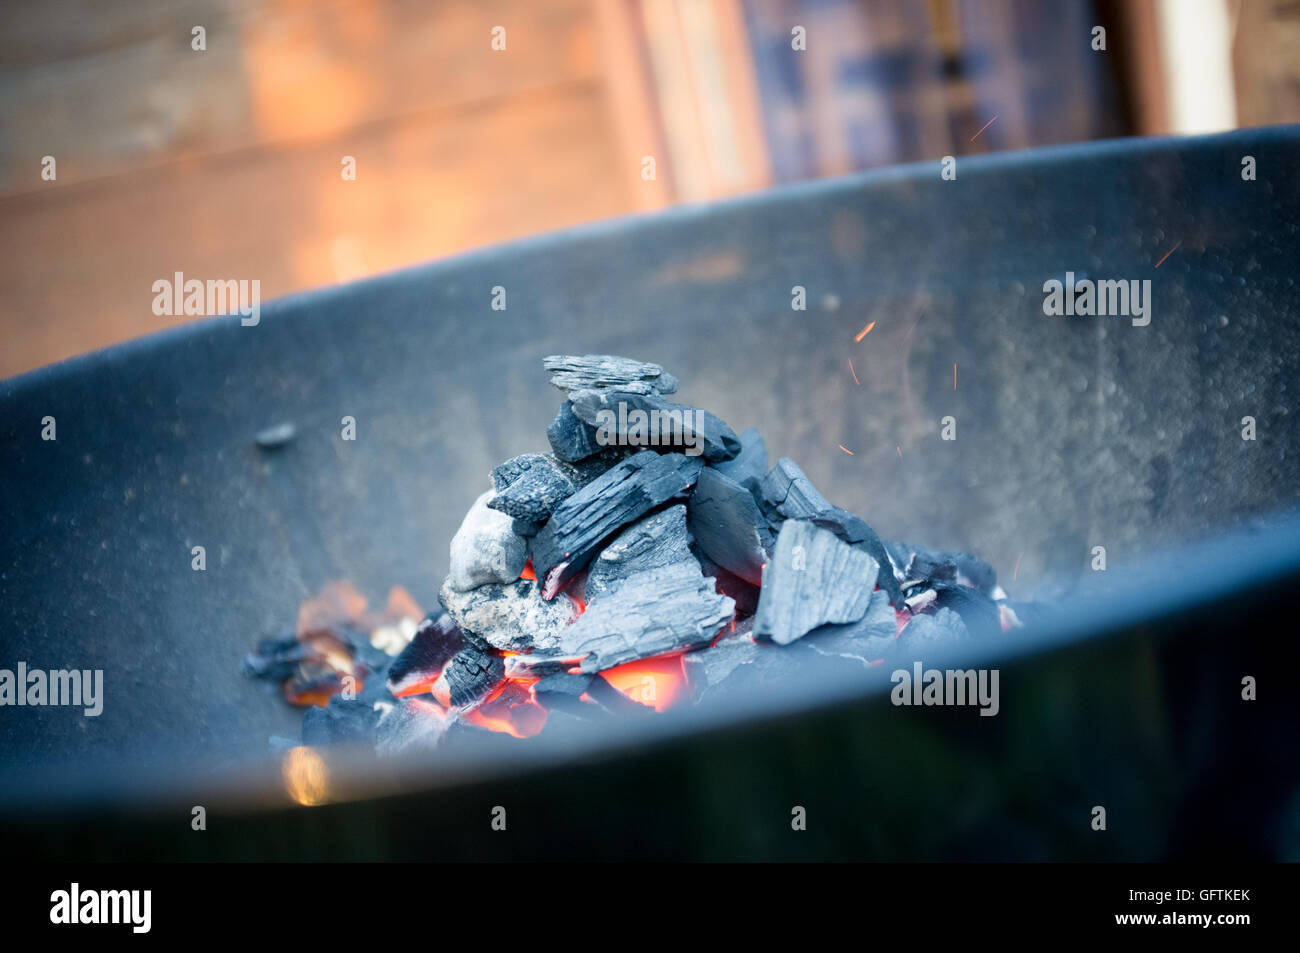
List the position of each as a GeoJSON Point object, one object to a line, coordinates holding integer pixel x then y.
{"type": "Point", "coordinates": [322, 618]}
{"type": "Point", "coordinates": [511, 708]}
{"type": "Point", "coordinates": [658, 682]}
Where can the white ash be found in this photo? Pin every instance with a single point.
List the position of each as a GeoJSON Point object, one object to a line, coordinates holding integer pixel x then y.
{"type": "Point", "coordinates": [485, 549]}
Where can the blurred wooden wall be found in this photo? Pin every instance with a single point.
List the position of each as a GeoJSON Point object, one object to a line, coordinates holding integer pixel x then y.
{"type": "Point", "coordinates": [226, 163]}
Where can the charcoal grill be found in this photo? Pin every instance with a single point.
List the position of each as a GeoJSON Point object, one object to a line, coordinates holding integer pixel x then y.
{"type": "Point", "coordinates": [1072, 433]}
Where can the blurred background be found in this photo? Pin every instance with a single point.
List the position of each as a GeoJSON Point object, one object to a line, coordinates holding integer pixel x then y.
{"type": "Point", "coordinates": [221, 152]}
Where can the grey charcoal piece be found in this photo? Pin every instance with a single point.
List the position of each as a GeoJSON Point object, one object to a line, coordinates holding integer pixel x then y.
{"type": "Point", "coordinates": [470, 675]}
{"type": "Point", "coordinates": [750, 463]}
{"type": "Point", "coordinates": [570, 372]}
{"type": "Point", "coordinates": [622, 418]}
{"type": "Point", "coordinates": [513, 618]}
{"type": "Point", "coordinates": [711, 665]}
{"type": "Point", "coordinates": [788, 490]}
{"type": "Point", "coordinates": [671, 608]}
{"type": "Point", "coordinates": [736, 665]}
{"type": "Point", "coordinates": [413, 724]}
{"type": "Point", "coordinates": [729, 527]}
{"type": "Point", "coordinates": [434, 644]}
{"type": "Point", "coordinates": [930, 631]}
{"type": "Point", "coordinates": [530, 487]}
{"type": "Point", "coordinates": [619, 496]}
{"type": "Point", "coordinates": [571, 439]}
{"type": "Point", "coordinates": [813, 579]}
{"type": "Point", "coordinates": [873, 637]}
{"type": "Point", "coordinates": [657, 540]}
{"type": "Point", "coordinates": [855, 531]}
{"type": "Point", "coordinates": [486, 548]}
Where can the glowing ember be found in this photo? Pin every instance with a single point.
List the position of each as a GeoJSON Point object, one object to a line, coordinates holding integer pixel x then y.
{"type": "Point", "coordinates": [510, 708]}
{"type": "Point", "coordinates": [655, 682]}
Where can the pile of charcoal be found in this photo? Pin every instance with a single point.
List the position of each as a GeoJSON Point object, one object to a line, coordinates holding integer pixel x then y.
{"type": "Point", "coordinates": [650, 559]}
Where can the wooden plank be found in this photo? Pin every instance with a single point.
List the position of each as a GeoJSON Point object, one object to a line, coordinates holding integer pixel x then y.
{"type": "Point", "coordinates": [77, 263]}
{"type": "Point", "coordinates": [109, 88]}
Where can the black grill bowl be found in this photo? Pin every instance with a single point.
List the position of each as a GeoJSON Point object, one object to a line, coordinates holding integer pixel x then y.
{"type": "Point", "coordinates": [1071, 433]}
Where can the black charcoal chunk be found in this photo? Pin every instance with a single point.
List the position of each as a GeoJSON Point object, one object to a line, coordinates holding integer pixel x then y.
{"type": "Point", "coordinates": [750, 463]}
{"type": "Point", "coordinates": [571, 439]}
{"type": "Point", "coordinates": [570, 372]}
{"type": "Point", "coordinates": [538, 664]}
{"type": "Point", "coordinates": [872, 637]}
{"type": "Point", "coordinates": [342, 721]}
{"type": "Point", "coordinates": [525, 529]}
{"type": "Point", "coordinates": [471, 674]}
{"type": "Point", "coordinates": [485, 549]}
{"type": "Point", "coordinates": [661, 610]}
{"type": "Point", "coordinates": [728, 526]}
{"type": "Point", "coordinates": [614, 702]}
{"type": "Point", "coordinates": [513, 618]}
{"type": "Point", "coordinates": [979, 613]}
{"type": "Point", "coordinates": [413, 724]}
{"type": "Point", "coordinates": [434, 644]}
{"type": "Point", "coordinates": [812, 579]}
{"type": "Point", "coordinates": [931, 565]}
{"type": "Point", "coordinates": [977, 573]}
{"type": "Point", "coordinates": [623, 494]}
{"type": "Point", "coordinates": [530, 487]}
{"type": "Point", "coordinates": [930, 631]}
{"type": "Point", "coordinates": [648, 420]}
{"type": "Point", "coordinates": [564, 692]}
{"type": "Point", "coordinates": [657, 540]}
{"type": "Point", "coordinates": [589, 468]}
{"type": "Point", "coordinates": [276, 659]}
{"type": "Point", "coordinates": [727, 583]}
{"type": "Point", "coordinates": [563, 683]}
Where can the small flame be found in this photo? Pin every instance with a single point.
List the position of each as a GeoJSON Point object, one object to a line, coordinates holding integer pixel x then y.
{"type": "Point", "coordinates": [528, 572]}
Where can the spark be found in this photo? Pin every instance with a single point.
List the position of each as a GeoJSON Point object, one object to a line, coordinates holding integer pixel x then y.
{"type": "Point", "coordinates": [854, 373]}
{"type": "Point", "coordinates": [845, 449]}
{"type": "Point", "coordinates": [1016, 571]}
{"type": "Point", "coordinates": [954, 375]}
{"type": "Point", "coordinates": [865, 331]}
{"type": "Point", "coordinates": [983, 127]}
{"type": "Point", "coordinates": [900, 452]}
{"type": "Point", "coordinates": [1168, 253]}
